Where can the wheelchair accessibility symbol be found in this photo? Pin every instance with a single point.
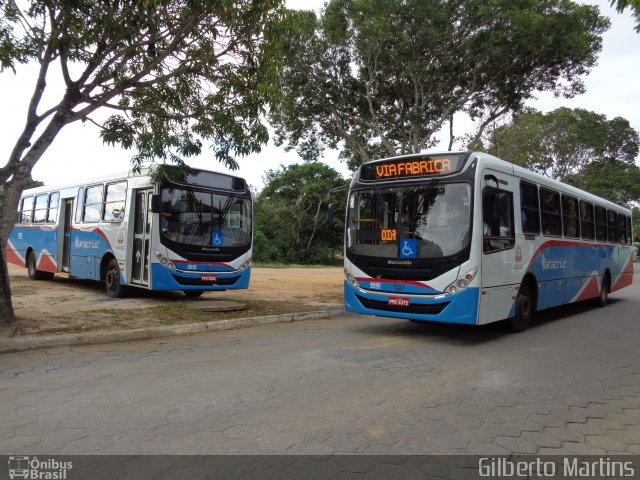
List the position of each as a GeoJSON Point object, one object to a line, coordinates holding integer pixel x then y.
{"type": "Point", "coordinates": [408, 248]}
{"type": "Point", "coordinates": [217, 239]}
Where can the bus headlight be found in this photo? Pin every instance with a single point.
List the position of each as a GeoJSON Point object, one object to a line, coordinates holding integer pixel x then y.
{"type": "Point", "coordinates": [245, 265]}
{"type": "Point", "coordinates": [461, 283]}
{"type": "Point", "coordinates": [352, 280]}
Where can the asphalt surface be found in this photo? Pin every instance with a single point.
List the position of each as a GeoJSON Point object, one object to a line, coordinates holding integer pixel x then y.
{"type": "Point", "coordinates": [354, 384]}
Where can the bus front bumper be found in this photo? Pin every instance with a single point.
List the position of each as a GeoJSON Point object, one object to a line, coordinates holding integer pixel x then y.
{"type": "Point", "coordinates": [461, 308]}
{"type": "Point", "coordinates": [162, 278]}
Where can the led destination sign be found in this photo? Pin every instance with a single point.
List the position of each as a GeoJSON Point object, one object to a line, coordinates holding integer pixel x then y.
{"type": "Point", "coordinates": [412, 167]}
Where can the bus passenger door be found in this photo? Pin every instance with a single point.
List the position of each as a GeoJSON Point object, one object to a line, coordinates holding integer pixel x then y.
{"type": "Point", "coordinates": [498, 246]}
{"type": "Point", "coordinates": [66, 234]}
{"type": "Point", "coordinates": [141, 237]}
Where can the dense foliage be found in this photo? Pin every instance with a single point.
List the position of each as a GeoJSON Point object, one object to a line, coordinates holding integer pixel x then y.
{"type": "Point", "coordinates": [291, 215]}
{"type": "Point", "coordinates": [576, 146]}
{"type": "Point", "coordinates": [381, 77]}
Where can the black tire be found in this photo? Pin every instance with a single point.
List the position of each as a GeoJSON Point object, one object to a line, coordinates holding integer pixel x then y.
{"type": "Point", "coordinates": [524, 310]}
{"type": "Point", "coordinates": [33, 272]}
{"type": "Point", "coordinates": [605, 288]}
{"type": "Point", "coordinates": [193, 293]}
{"type": "Point", "coordinates": [112, 280]}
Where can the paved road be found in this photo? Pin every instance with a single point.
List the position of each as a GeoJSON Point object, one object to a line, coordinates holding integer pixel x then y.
{"type": "Point", "coordinates": [570, 384]}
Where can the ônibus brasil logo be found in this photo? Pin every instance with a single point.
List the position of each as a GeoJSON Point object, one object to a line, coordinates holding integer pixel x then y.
{"type": "Point", "coordinates": [34, 469]}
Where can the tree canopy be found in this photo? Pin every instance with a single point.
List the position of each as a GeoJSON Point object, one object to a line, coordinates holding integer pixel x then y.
{"type": "Point", "coordinates": [381, 77]}
{"type": "Point", "coordinates": [173, 74]}
{"type": "Point", "coordinates": [291, 214]}
{"type": "Point", "coordinates": [576, 146]}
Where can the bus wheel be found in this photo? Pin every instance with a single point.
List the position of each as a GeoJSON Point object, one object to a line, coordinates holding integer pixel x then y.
{"type": "Point", "coordinates": [35, 274]}
{"type": "Point", "coordinates": [112, 280]}
{"type": "Point", "coordinates": [193, 293]}
{"type": "Point", "coordinates": [603, 298]}
{"type": "Point", "coordinates": [521, 320]}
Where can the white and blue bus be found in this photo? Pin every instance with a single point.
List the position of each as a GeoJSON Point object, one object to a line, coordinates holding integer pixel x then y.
{"type": "Point", "coordinates": [191, 233]}
{"type": "Point", "coordinates": [471, 239]}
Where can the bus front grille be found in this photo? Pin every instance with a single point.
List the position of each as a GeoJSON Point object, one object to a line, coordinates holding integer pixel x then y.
{"type": "Point", "coordinates": [424, 308]}
{"type": "Point", "coordinates": [196, 281]}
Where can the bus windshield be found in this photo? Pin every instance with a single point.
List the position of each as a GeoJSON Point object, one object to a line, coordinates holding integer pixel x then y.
{"type": "Point", "coordinates": [426, 221]}
{"type": "Point", "coordinates": [195, 217]}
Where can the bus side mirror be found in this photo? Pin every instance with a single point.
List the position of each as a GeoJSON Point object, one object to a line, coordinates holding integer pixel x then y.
{"type": "Point", "coordinates": [155, 204]}
{"type": "Point", "coordinates": [331, 211]}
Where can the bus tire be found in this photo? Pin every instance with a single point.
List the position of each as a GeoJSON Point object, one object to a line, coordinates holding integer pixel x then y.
{"type": "Point", "coordinates": [33, 272]}
{"type": "Point", "coordinates": [114, 288]}
{"type": "Point", "coordinates": [193, 293]}
{"type": "Point", "coordinates": [524, 310]}
{"type": "Point", "coordinates": [603, 298]}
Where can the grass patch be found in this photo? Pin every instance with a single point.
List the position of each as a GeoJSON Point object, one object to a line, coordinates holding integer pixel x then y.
{"type": "Point", "coordinates": [174, 313]}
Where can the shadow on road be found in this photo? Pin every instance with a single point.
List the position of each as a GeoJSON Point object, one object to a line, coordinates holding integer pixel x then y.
{"type": "Point", "coordinates": [472, 334]}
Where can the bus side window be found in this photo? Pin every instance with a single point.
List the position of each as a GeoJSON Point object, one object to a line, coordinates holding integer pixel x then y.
{"type": "Point", "coordinates": [629, 232]}
{"type": "Point", "coordinates": [40, 209]}
{"type": "Point", "coordinates": [497, 218]}
{"type": "Point", "coordinates": [79, 202]}
{"type": "Point", "coordinates": [530, 209]}
{"type": "Point", "coordinates": [601, 224]}
{"type": "Point", "coordinates": [52, 212]}
{"type": "Point", "coordinates": [622, 229]}
{"type": "Point", "coordinates": [612, 218]}
{"type": "Point", "coordinates": [551, 219]}
{"type": "Point", "coordinates": [586, 220]}
{"type": "Point", "coordinates": [92, 204]}
{"type": "Point", "coordinates": [570, 217]}
{"type": "Point", "coordinates": [26, 209]}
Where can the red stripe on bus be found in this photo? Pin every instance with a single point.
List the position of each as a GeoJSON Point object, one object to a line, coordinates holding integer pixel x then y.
{"type": "Point", "coordinates": [12, 256]}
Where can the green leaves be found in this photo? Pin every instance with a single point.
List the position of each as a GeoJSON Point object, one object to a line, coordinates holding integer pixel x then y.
{"type": "Point", "coordinates": [379, 77]}
{"type": "Point", "coordinates": [291, 212]}
{"type": "Point", "coordinates": [580, 147]}
{"type": "Point", "coordinates": [177, 74]}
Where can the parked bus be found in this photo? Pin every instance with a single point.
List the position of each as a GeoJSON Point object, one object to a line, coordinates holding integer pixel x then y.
{"type": "Point", "coordinates": [468, 238]}
{"type": "Point", "coordinates": [191, 233]}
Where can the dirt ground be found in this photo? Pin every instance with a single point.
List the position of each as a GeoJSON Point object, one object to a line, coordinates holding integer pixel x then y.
{"type": "Point", "coordinates": [67, 305]}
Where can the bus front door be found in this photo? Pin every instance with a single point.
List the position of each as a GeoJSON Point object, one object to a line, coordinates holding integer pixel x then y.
{"type": "Point", "coordinates": [66, 242]}
{"type": "Point", "coordinates": [141, 237]}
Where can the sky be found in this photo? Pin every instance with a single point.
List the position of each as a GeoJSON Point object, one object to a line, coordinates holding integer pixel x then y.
{"type": "Point", "coordinates": [78, 154]}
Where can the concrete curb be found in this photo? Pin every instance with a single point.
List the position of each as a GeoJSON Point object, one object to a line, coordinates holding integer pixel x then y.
{"type": "Point", "coordinates": [115, 336]}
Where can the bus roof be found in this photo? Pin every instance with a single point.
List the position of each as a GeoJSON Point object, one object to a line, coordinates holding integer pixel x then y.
{"type": "Point", "coordinates": [122, 175]}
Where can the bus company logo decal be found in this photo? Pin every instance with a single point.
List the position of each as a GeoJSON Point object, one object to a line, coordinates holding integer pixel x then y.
{"type": "Point", "coordinates": [86, 243]}
{"type": "Point", "coordinates": [552, 263]}
{"type": "Point", "coordinates": [34, 469]}
{"type": "Point", "coordinates": [398, 285]}
{"type": "Point", "coordinates": [399, 262]}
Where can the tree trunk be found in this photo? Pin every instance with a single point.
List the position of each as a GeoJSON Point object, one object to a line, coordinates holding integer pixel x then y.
{"type": "Point", "coordinates": [8, 217]}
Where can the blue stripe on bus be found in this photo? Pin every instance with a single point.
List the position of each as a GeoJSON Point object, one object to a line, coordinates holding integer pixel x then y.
{"type": "Point", "coordinates": [564, 269]}
{"type": "Point", "coordinates": [462, 308]}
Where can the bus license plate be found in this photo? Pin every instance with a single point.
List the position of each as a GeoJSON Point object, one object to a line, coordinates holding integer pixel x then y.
{"type": "Point", "coordinates": [398, 301]}
{"type": "Point", "coordinates": [208, 278]}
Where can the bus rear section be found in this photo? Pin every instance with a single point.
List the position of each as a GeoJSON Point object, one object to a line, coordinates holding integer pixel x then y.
{"type": "Point", "coordinates": [408, 242]}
